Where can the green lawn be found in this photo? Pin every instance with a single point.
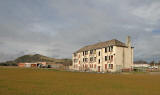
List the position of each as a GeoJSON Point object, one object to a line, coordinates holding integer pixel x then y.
{"type": "Point", "coordinates": [23, 81]}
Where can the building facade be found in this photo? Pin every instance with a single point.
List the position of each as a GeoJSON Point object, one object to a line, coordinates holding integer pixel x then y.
{"type": "Point", "coordinates": [109, 56]}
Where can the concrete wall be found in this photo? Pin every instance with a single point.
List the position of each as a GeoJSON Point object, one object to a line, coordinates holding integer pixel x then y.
{"type": "Point", "coordinates": [124, 57]}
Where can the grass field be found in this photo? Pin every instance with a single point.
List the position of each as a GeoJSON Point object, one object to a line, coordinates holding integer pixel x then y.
{"type": "Point", "coordinates": [23, 81]}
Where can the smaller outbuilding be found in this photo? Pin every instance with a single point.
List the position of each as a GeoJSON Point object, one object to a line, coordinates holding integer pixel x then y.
{"type": "Point", "coordinates": [141, 66]}
{"type": "Point", "coordinates": [36, 64]}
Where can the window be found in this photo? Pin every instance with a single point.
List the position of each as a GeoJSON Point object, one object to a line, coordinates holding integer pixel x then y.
{"type": "Point", "coordinates": [86, 59]}
{"type": "Point", "coordinates": [94, 59]}
{"type": "Point", "coordinates": [83, 53]}
{"type": "Point", "coordinates": [105, 66]}
{"type": "Point", "coordinates": [111, 48]}
{"type": "Point", "coordinates": [94, 65]}
{"type": "Point", "coordinates": [106, 58]}
{"type": "Point", "coordinates": [110, 66]}
{"type": "Point", "coordinates": [86, 52]}
{"type": "Point", "coordinates": [99, 53]}
{"type": "Point", "coordinates": [91, 59]}
{"type": "Point", "coordinates": [91, 51]}
{"type": "Point", "coordinates": [109, 57]}
{"type": "Point", "coordinates": [105, 49]}
{"type": "Point", "coordinates": [91, 65]}
{"type": "Point", "coordinates": [99, 61]}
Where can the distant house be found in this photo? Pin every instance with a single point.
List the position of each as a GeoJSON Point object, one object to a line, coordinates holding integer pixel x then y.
{"type": "Point", "coordinates": [140, 64]}
{"type": "Point", "coordinates": [36, 64]}
{"type": "Point", "coordinates": [109, 56]}
{"type": "Point", "coordinates": [21, 65]}
{"type": "Point", "coordinates": [42, 65]}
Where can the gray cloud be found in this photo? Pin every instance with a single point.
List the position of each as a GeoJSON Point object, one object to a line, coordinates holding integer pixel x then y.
{"type": "Point", "coordinates": [57, 28]}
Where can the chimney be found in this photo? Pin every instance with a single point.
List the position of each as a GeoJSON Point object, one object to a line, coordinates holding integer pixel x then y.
{"type": "Point", "coordinates": [128, 41]}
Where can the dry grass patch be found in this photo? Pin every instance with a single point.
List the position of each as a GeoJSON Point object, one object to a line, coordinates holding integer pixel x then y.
{"type": "Point", "coordinates": [23, 81]}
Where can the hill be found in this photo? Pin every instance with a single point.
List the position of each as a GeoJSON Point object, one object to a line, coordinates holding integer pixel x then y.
{"type": "Point", "coordinates": [34, 58]}
{"type": "Point", "coordinates": [37, 58]}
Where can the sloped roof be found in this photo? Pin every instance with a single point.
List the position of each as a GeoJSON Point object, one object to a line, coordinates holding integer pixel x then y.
{"type": "Point", "coordinates": [99, 45]}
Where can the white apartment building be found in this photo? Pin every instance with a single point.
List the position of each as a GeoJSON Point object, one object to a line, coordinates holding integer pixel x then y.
{"type": "Point", "coordinates": [108, 56]}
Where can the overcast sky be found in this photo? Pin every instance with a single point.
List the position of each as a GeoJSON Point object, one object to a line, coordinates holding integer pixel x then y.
{"type": "Point", "coordinates": [57, 28]}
